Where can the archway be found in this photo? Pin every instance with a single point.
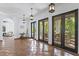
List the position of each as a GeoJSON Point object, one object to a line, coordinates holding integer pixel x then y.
{"type": "Point", "coordinates": [7, 27]}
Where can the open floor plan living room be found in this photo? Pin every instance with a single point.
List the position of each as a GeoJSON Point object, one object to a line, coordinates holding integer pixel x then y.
{"type": "Point", "coordinates": [39, 29]}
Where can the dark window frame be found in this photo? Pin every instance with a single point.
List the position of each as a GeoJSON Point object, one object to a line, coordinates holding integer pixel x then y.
{"type": "Point", "coordinates": [43, 29]}
{"type": "Point", "coordinates": [31, 29]}
{"type": "Point", "coordinates": [63, 30]}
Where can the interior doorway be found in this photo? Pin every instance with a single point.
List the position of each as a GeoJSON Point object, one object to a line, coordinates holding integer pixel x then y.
{"type": "Point", "coordinates": [7, 27]}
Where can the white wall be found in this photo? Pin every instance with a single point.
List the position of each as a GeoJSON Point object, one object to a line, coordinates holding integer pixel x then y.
{"type": "Point", "coordinates": [18, 29]}
{"type": "Point", "coordinates": [65, 7]}
{"type": "Point", "coordinates": [29, 27]}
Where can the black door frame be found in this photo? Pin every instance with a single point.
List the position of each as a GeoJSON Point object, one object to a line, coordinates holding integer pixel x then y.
{"type": "Point", "coordinates": [31, 29]}
{"type": "Point", "coordinates": [39, 30]}
{"type": "Point", "coordinates": [53, 30]}
{"type": "Point", "coordinates": [43, 29]}
{"type": "Point", "coordinates": [63, 30]}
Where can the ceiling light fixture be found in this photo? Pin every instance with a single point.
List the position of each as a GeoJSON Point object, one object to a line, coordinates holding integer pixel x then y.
{"type": "Point", "coordinates": [51, 7]}
{"type": "Point", "coordinates": [23, 17]}
{"type": "Point", "coordinates": [24, 21]}
{"type": "Point", "coordinates": [31, 16]}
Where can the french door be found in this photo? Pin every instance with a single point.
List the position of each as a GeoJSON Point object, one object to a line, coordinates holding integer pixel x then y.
{"type": "Point", "coordinates": [65, 30]}
{"type": "Point", "coordinates": [57, 30]}
{"type": "Point", "coordinates": [43, 30]}
{"type": "Point", "coordinates": [46, 30]}
{"type": "Point", "coordinates": [71, 31]}
{"type": "Point", "coordinates": [33, 29]}
{"type": "Point", "coordinates": [40, 30]}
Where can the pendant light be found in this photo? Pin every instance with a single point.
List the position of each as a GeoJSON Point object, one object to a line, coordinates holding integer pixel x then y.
{"type": "Point", "coordinates": [23, 17]}
{"type": "Point", "coordinates": [24, 21]}
{"type": "Point", "coordinates": [51, 7]}
{"type": "Point", "coordinates": [31, 16]}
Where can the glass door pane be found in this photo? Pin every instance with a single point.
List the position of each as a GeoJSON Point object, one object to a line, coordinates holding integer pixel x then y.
{"type": "Point", "coordinates": [70, 30]}
{"type": "Point", "coordinates": [57, 30]}
{"type": "Point", "coordinates": [46, 30]}
{"type": "Point", "coordinates": [33, 29]}
{"type": "Point", "coordinates": [41, 30]}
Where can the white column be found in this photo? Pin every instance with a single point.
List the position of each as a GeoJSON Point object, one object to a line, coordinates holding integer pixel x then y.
{"type": "Point", "coordinates": [1, 37]}
{"type": "Point", "coordinates": [36, 30]}
{"type": "Point", "coordinates": [50, 29]}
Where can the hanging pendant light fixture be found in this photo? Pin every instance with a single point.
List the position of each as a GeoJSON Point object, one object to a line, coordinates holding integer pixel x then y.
{"type": "Point", "coordinates": [24, 21]}
{"type": "Point", "coordinates": [31, 16]}
{"type": "Point", "coordinates": [51, 7]}
{"type": "Point", "coordinates": [23, 17]}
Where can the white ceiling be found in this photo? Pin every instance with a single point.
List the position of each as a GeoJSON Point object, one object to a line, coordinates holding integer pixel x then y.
{"type": "Point", "coordinates": [18, 9]}
{"type": "Point", "coordinates": [13, 10]}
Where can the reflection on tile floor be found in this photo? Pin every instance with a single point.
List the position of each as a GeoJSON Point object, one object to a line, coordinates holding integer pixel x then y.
{"type": "Point", "coordinates": [29, 47]}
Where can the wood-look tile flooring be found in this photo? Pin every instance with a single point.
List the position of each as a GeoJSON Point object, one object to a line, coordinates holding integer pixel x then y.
{"type": "Point", "coordinates": [29, 47]}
